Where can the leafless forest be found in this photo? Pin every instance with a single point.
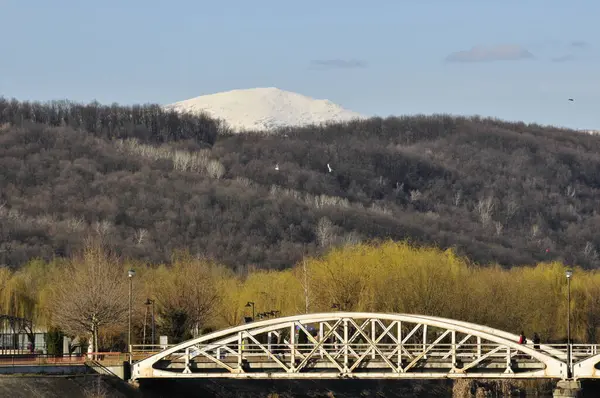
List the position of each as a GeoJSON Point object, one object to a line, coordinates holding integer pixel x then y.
{"type": "Point", "coordinates": [148, 182]}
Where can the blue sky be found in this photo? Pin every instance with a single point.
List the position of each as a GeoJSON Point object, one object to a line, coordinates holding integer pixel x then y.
{"type": "Point", "coordinates": [513, 59]}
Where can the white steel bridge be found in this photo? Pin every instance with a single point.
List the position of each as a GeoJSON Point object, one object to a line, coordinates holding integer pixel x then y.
{"type": "Point", "coordinates": [366, 345]}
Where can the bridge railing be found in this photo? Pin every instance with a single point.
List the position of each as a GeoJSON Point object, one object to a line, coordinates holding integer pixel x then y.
{"type": "Point", "coordinates": [578, 350]}
{"type": "Point", "coordinates": [584, 350]}
{"type": "Point", "coordinates": [141, 351]}
{"type": "Point", "coordinates": [441, 350]}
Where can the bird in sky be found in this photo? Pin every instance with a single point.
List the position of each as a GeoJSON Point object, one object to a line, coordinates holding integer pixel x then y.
{"type": "Point", "coordinates": [571, 99]}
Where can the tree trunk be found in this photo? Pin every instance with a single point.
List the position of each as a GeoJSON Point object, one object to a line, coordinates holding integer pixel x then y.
{"type": "Point", "coordinates": [96, 348]}
{"type": "Point", "coordinates": [94, 342]}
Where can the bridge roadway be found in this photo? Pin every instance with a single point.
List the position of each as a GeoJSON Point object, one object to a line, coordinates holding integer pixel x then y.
{"type": "Point", "coordinates": [365, 345]}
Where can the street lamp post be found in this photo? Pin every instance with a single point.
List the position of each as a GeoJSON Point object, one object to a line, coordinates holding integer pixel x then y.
{"type": "Point", "coordinates": [130, 274]}
{"type": "Point", "coordinates": [251, 304]}
{"type": "Point", "coordinates": [152, 321]}
{"type": "Point", "coordinates": [569, 275]}
{"type": "Point", "coordinates": [147, 304]}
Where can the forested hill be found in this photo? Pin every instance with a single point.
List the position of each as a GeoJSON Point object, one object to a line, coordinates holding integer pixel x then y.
{"type": "Point", "coordinates": [150, 181]}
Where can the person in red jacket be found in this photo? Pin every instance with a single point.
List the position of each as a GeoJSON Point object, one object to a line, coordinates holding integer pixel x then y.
{"type": "Point", "coordinates": [522, 338]}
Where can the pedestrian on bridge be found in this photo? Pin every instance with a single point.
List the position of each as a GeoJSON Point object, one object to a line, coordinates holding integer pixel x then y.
{"type": "Point", "coordinates": [522, 338]}
{"type": "Point", "coordinates": [536, 341]}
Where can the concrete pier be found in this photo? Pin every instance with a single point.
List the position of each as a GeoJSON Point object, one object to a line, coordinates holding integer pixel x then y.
{"type": "Point", "coordinates": [567, 389]}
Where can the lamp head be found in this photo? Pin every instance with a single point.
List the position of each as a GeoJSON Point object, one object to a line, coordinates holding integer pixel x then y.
{"type": "Point", "coordinates": [569, 274]}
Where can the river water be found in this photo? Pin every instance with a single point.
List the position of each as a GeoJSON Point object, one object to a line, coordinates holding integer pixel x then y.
{"type": "Point", "coordinates": [299, 388]}
{"type": "Point", "coordinates": [354, 388]}
{"type": "Point", "coordinates": [88, 386]}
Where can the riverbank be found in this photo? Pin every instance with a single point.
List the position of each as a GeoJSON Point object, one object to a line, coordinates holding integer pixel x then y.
{"type": "Point", "coordinates": [66, 386]}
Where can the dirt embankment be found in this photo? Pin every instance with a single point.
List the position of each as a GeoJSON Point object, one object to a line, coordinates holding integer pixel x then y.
{"type": "Point", "coordinates": [80, 386]}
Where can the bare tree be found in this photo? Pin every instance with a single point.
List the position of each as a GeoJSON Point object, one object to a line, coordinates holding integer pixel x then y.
{"type": "Point", "coordinates": [92, 292]}
{"type": "Point", "coordinates": [215, 169]}
{"type": "Point", "coordinates": [75, 224]}
{"type": "Point", "coordinates": [103, 228]}
{"type": "Point", "coordinates": [485, 208]}
{"type": "Point", "coordinates": [499, 227]}
{"type": "Point", "coordinates": [511, 208]}
{"type": "Point", "coordinates": [325, 232]}
{"type": "Point", "coordinates": [415, 195]}
{"type": "Point", "coordinates": [140, 235]}
{"type": "Point", "coordinates": [458, 198]}
{"type": "Point", "coordinates": [589, 251]}
{"type": "Point", "coordinates": [351, 238]}
{"type": "Point", "coordinates": [399, 187]}
{"type": "Point", "coordinates": [535, 231]}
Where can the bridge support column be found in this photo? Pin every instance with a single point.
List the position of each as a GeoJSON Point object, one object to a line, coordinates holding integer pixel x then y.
{"type": "Point", "coordinates": [567, 389]}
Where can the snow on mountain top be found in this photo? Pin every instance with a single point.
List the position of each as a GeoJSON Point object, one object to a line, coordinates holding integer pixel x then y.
{"type": "Point", "coordinates": [265, 109]}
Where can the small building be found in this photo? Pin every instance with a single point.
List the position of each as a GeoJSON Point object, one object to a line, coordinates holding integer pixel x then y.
{"type": "Point", "coordinates": [19, 336]}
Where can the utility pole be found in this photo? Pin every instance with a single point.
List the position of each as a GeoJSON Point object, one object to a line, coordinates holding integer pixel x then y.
{"type": "Point", "coordinates": [148, 303]}
{"type": "Point", "coordinates": [145, 319]}
{"type": "Point", "coordinates": [569, 275]}
{"type": "Point", "coordinates": [130, 274]}
{"type": "Point", "coordinates": [152, 321]}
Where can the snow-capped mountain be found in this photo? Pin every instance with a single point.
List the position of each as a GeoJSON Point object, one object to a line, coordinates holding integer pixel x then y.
{"type": "Point", "coordinates": [264, 109]}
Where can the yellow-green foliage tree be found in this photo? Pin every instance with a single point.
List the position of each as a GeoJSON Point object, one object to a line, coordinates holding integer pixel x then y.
{"type": "Point", "coordinates": [187, 294]}
{"type": "Point", "coordinates": [399, 277]}
{"type": "Point", "coordinates": [195, 295]}
{"type": "Point", "coordinates": [24, 291]}
{"type": "Point", "coordinates": [430, 281]}
{"type": "Point", "coordinates": [391, 277]}
{"type": "Point", "coordinates": [273, 291]}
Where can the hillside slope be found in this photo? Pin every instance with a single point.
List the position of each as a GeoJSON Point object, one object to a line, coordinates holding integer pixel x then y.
{"type": "Point", "coordinates": [264, 109]}
{"type": "Point", "coordinates": [498, 192]}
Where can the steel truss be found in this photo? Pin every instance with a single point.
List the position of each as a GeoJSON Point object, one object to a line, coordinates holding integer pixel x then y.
{"type": "Point", "coordinates": [356, 345]}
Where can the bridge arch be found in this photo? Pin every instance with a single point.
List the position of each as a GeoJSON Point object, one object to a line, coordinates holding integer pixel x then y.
{"type": "Point", "coordinates": [356, 345]}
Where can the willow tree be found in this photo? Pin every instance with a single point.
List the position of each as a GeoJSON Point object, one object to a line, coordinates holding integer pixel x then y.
{"type": "Point", "coordinates": [92, 292]}
{"type": "Point", "coordinates": [187, 294]}
{"type": "Point", "coordinates": [5, 278]}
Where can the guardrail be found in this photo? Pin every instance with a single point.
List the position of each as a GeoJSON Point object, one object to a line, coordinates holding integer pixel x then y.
{"type": "Point", "coordinates": [106, 358]}
{"type": "Point", "coordinates": [559, 351]}
{"type": "Point", "coordinates": [148, 349]}
{"type": "Point", "coordinates": [41, 359]}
